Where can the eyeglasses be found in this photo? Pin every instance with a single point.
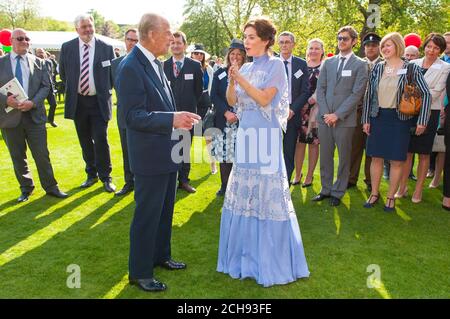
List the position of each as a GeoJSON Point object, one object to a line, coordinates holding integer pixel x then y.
{"type": "Point", "coordinates": [20, 39]}
{"type": "Point", "coordinates": [284, 42]}
{"type": "Point", "coordinates": [345, 39]}
{"type": "Point", "coordinates": [132, 40]}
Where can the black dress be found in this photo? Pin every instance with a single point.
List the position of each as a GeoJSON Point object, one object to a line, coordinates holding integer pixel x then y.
{"type": "Point", "coordinates": [304, 136]}
{"type": "Point", "coordinates": [423, 144]}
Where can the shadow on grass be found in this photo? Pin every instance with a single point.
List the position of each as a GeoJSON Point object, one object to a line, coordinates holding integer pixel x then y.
{"type": "Point", "coordinates": [181, 193]}
{"type": "Point", "coordinates": [23, 222]}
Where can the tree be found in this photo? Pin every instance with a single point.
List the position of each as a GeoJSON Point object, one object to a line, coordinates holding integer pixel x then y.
{"type": "Point", "coordinates": [18, 13]}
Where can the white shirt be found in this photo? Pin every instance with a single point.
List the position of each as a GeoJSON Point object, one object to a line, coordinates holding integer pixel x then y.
{"type": "Point", "coordinates": [175, 60]}
{"type": "Point", "coordinates": [25, 69]}
{"type": "Point", "coordinates": [92, 90]}
{"type": "Point", "coordinates": [289, 75]}
{"type": "Point", "coordinates": [347, 57]}
{"type": "Point", "coordinates": [152, 58]}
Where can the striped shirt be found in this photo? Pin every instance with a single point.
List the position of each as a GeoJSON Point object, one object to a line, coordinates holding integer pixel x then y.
{"type": "Point", "coordinates": [371, 106]}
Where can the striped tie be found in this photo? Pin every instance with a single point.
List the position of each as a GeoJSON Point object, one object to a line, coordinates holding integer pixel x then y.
{"type": "Point", "coordinates": [84, 73]}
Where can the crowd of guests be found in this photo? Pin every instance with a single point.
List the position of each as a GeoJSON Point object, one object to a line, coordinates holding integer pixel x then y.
{"type": "Point", "coordinates": [317, 104]}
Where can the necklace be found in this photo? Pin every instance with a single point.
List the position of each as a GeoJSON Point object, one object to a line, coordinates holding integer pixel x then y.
{"type": "Point", "coordinates": [389, 70]}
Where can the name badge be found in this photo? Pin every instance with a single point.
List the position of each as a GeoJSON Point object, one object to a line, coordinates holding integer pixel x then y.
{"type": "Point", "coordinates": [402, 71]}
{"type": "Point", "coordinates": [106, 63]}
{"type": "Point", "coordinates": [298, 74]}
{"type": "Point", "coordinates": [222, 75]}
{"type": "Point", "coordinates": [346, 73]}
{"type": "Point", "coordinates": [189, 76]}
{"type": "Point", "coordinates": [436, 66]}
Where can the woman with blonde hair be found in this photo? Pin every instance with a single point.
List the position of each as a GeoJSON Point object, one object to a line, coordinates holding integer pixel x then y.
{"type": "Point", "coordinates": [308, 132]}
{"type": "Point", "coordinates": [387, 128]}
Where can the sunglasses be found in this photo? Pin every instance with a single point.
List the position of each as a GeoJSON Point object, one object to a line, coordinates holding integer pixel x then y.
{"type": "Point", "coordinates": [132, 40]}
{"type": "Point", "coordinates": [345, 39]}
{"type": "Point", "coordinates": [196, 53]}
{"type": "Point", "coordinates": [20, 39]}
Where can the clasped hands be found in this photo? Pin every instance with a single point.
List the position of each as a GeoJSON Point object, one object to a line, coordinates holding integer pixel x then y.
{"type": "Point", "coordinates": [21, 106]}
{"type": "Point", "coordinates": [330, 119]}
{"type": "Point", "coordinates": [233, 73]}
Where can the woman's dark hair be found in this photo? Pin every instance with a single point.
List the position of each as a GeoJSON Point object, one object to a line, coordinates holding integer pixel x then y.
{"type": "Point", "coordinates": [437, 39]}
{"type": "Point", "coordinates": [265, 29]}
{"type": "Point", "coordinates": [227, 58]}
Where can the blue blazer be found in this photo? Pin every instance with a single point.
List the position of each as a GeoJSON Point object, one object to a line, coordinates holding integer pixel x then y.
{"type": "Point", "coordinates": [114, 66]}
{"type": "Point", "coordinates": [300, 86]}
{"type": "Point", "coordinates": [69, 71]}
{"type": "Point", "coordinates": [148, 115]}
{"type": "Point", "coordinates": [219, 97]}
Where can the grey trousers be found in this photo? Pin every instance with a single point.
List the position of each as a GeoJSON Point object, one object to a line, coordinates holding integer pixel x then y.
{"type": "Point", "coordinates": [330, 138]}
{"type": "Point", "coordinates": [35, 135]}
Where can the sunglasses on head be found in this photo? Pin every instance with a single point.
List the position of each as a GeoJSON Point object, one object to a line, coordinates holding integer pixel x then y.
{"type": "Point", "coordinates": [20, 39]}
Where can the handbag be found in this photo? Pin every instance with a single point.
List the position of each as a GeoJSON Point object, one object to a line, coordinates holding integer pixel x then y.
{"type": "Point", "coordinates": [438, 144]}
{"type": "Point", "coordinates": [208, 120]}
{"type": "Point", "coordinates": [411, 100]}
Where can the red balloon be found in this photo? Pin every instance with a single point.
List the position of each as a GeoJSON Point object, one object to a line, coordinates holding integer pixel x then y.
{"type": "Point", "coordinates": [5, 37]}
{"type": "Point", "coordinates": [329, 55]}
{"type": "Point", "coordinates": [413, 39]}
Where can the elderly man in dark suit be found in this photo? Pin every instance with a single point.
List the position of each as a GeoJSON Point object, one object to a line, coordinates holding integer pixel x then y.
{"type": "Point", "coordinates": [25, 122]}
{"type": "Point", "coordinates": [297, 74]}
{"type": "Point", "coordinates": [85, 69]}
{"type": "Point", "coordinates": [151, 117]}
{"type": "Point", "coordinates": [186, 80]}
{"type": "Point", "coordinates": [131, 38]}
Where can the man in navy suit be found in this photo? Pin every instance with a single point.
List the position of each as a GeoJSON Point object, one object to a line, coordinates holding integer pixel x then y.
{"type": "Point", "coordinates": [150, 114]}
{"type": "Point", "coordinates": [297, 73]}
{"type": "Point", "coordinates": [186, 80]}
{"type": "Point", "coordinates": [85, 69]}
{"type": "Point", "coordinates": [131, 38]}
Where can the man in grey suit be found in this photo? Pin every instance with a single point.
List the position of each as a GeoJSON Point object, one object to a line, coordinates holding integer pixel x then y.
{"type": "Point", "coordinates": [131, 38]}
{"type": "Point", "coordinates": [25, 123]}
{"type": "Point", "coordinates": [341, 85]}
{"type": "Point", "coordinates": [85, 69]}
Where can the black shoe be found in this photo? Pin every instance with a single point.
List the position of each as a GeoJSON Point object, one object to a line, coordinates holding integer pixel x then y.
{"type": "Point", "coordinates": [387, 208]}
{"type": "Point", "coordinates": [53, 124]}
{"type": "Point", "coordinates": [350, 185]}
{"type": "Point", "coordinates": [109, 187]}
{"type": "Point", "coordinates": [127, 188]}
{"type": "Point", "coordinates": [370, 203]}
{"type": "Point", "coordinates": [24, 197]}
{"type": "Point", "coordinates": [320, 197]}
{"type": "Point", "coordinates": [295, 183]}
{"type": "Point", "coordinates": [334, 201]}
{"type": "Point", "coordinates": [412, 177]}
{"type": "Point", "coordinates": [188, 188]}
{"type": "Point", "coordinates": [304, 185]}
{"type": "Point", "coordinates": [57, 193]}
{"type": "Point", "coordinates": [89, 182]}
{"type": "Point", "coordinates": [151, 285]}
{"type": "Point", "coordinates": [172, 265]}
{"type": "Point", "coordinates": [220, 192]}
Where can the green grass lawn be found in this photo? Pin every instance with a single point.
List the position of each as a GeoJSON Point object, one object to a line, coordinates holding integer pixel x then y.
{"type": "Point", "coordinates": [39, 239]}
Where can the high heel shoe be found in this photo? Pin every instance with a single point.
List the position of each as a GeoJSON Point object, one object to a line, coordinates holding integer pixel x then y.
{"type": "Point", "coordinates": [415, 200]}
{"type": "Point", "coordinates": [387, 207]}
{"type": "Point", "coordinates": [213, 168]}
{"type": "Point", "coordinates": [297, 182]}
{"type": "Point", "coordinates": [401, 195]}
{"type": "Point", "coordinates": [304, 185]}
{"type": "Point", "coordinates": [369, 203]}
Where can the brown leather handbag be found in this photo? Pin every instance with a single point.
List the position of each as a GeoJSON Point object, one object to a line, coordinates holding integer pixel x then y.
{"type": "Point", "coordinates": [411, 100]}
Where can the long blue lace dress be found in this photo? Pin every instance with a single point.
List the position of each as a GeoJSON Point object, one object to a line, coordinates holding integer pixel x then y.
{"type": "Point", "coordinates": [259, 232]}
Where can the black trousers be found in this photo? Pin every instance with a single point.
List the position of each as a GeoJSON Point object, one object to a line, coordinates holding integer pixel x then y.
{"type": "Point", "coordinates": [289, 144]}
{"type": "Point", "coordinates": [151, 228]}
{"type": "Point", "coordinates": [447, 153]}
{"type": "Point", "coordinates": [129, 177]}
{"type": "Point", "coordinates": [185, 167]}
{"type": "Point", "coordinates": [52, 107]}
{"type": "Point", "coordinates": [35, 135]}
{"type": "Point", "coordinates": [92, 135]}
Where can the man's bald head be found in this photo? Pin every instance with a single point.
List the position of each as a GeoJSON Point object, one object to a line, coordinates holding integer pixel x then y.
{"type": "Point", "coordinates": [155, 34]}
{"type": "Point", "coordinates": [150, 22]}
{"type": "Point", "coordinates": [411, 53]}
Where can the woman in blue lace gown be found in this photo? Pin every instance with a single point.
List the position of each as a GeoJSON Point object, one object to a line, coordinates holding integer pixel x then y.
{"type": "Point", "coordinates": [259, 232]}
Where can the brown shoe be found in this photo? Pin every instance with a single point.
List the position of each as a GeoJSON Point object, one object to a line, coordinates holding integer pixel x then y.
{"type": "Point", "coordinates": [188, 188]}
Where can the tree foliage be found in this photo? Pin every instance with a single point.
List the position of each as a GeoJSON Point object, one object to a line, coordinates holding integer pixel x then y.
{"type": "Point", "coordinates": [311, 19]}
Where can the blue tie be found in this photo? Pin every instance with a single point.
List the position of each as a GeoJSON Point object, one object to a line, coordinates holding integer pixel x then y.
{"type": "Point", "coordinates": [286, 68]}
{"type": "Point", "coordinates": [19, 70]}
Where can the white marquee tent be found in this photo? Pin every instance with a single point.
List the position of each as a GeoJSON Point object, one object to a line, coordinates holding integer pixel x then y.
{"type": "Point", "coordinates": [53, 40]}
